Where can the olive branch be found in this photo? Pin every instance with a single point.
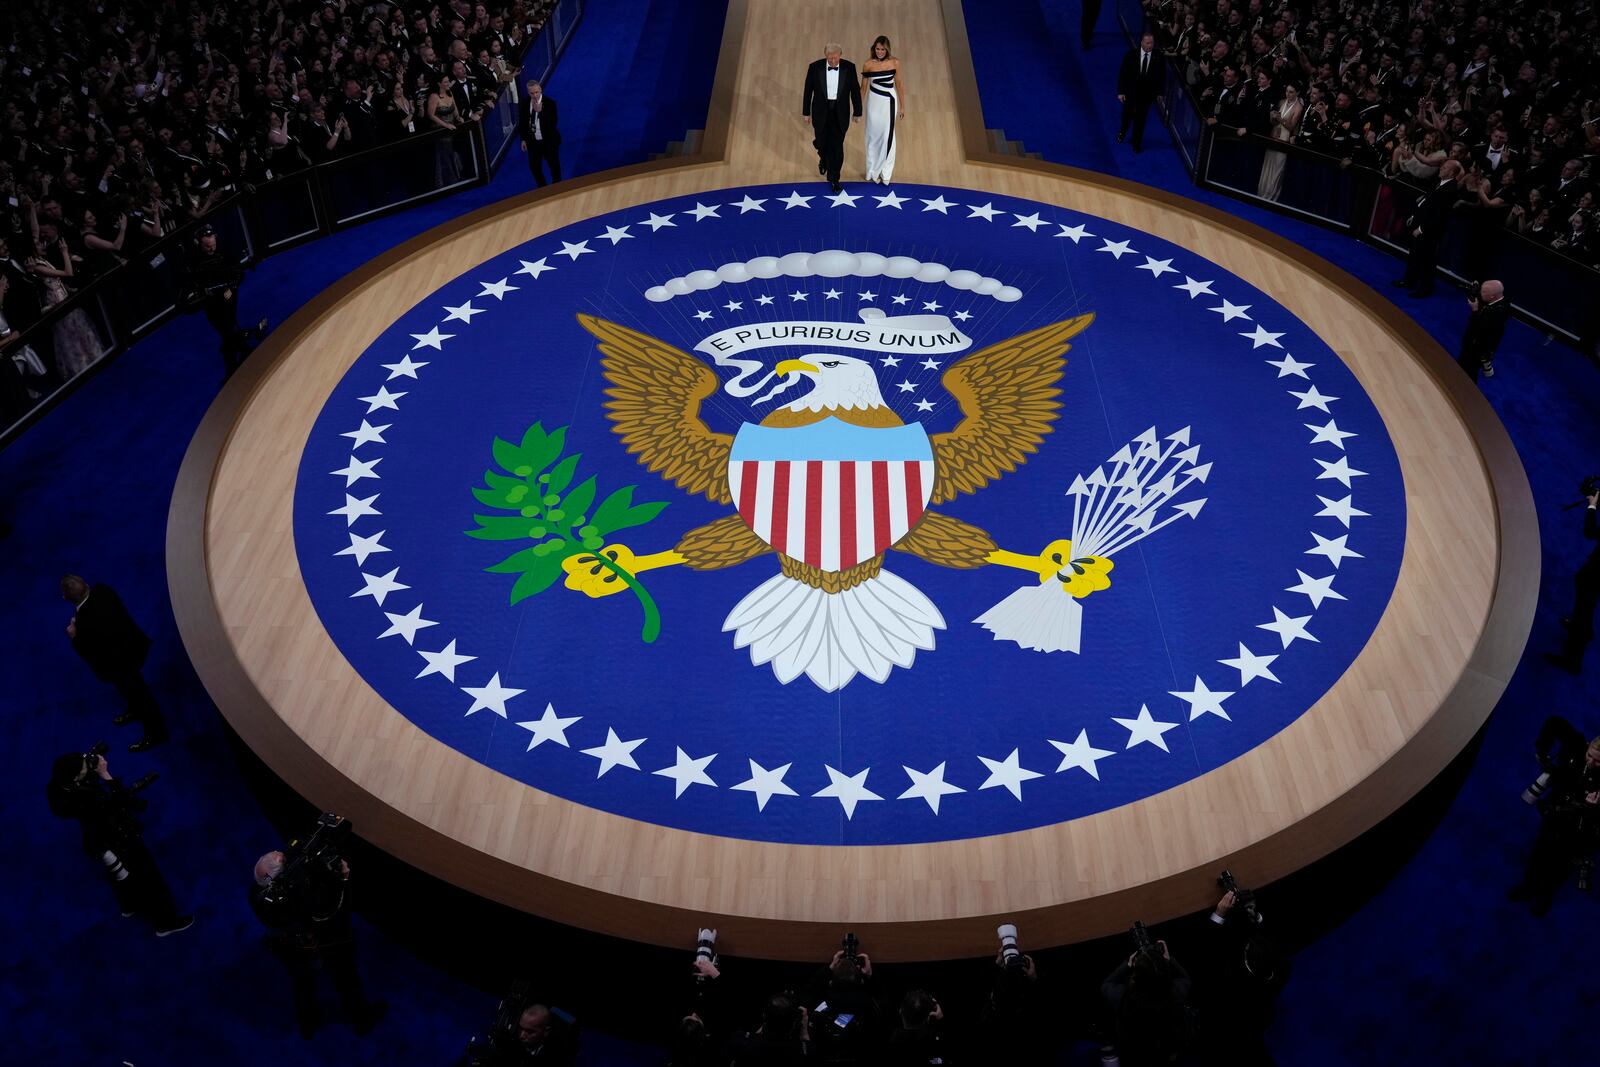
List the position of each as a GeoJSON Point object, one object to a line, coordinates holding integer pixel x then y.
{"type": "Point", "coordinates": [533, 485]}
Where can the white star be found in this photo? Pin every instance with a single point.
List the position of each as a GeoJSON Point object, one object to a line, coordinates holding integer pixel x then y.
{"type": "Point", "coordinates": [1203, 701]}
{"type": "Point", "coordinates": [382, 399]}
{"type": "Point", "coordinates": [931, 364]}
{"type": "Point", "coordinates": [1340, 470]}
{"type": "Point", "coordinates": [1032, 222]}
{"type": "Point", "coordinates": [406, 625]}
{"type": "Point", "coordinates": [939, 204]}
{"type": "Point", "coordinates": [354, 509]}
{"type": "Point", "coordinates": [432, 339]}
{"type": "Point", "coordinates": [498, 289]}
{"type": "Point", "coordinates": [362, 547]}
{"type": "Point", "coordinates": [906, 387]}
{"type": "Point", "coordinates": [1156, 267]}
{"type": "Point", "coordinates": [963, 316]}
{"type": "Point", "coordinates": [1077, 233]}
{"type": "Point", "coordinates": [1342, 510]}
{"type": "Point", "coordinates": [1118, 249]}
{"type": "Point", "coordinates": [492, 696]}
{"type": "Point", "coordinates": [655, 222]}
{"type": "Point", "coordinates": [843, 199]}
{"type": "Point", "coordinates": [1261, 336]}
{"type": "Point", "coordinates": [406, 368]}
{"type": "Point", "coordinates": [1333, 548]}
{"type": "Point", "coordinates": [1008, 773]}
{"type": "Point", "coordinates": [445, 661]}
{"type": "Point", "coordinates": [899, 300]}
{"type": "Point", "coordinates": [1230, 311]}
{"type": "Point", "coordinates": [1194, 288]}
{"type": "Point", "coordinates": [869, 297]}
{"type": "Point", "coordinates": [831, 294]}
{"type": "Point", "coordinates": [548, 727]}
{"type": "Point", "coordinates": [367, 433]}
{"type": "Point", "coordinates": [701, 212]}
{"type": "Point", "coordinates": [892, 199]}
{"type": "Point", "coordinates": [1312, 398]}
{"type": "Point", "coordinates": [615, 234]}
{"type": "Point", "coordinates": [357, 469]}
{"type": "Point", "coordinates": [378, 586]}
{"type": "Point", "coordinates": [702, 316]}
{"type": "Point", "coordinates": [1251, 666]}
{"type": "Point", "coordinates": [848, 789]}
{"type": "Point", "coordinates": [733, 305]}
{"type": "Point", "coordinates": [1289, 365]}
{"type": "Point", "coordinates": [797, 296]}
{"type": "Point", "coordinates": [891, 361]}
{"type": "Point", "coordinates": [763, 783]}
{"type": "Point", "coordinates": [1081, 754]}
{"type": "Point", "coordinates": [929, 786]}
{"type": "Point", "coordinates": [924, 405]}
{"type": "Point", "coordinates": [534, 269]}
{"type": "Point", "coordinates": [573, 251]}
{"type": "Point", "coordinates": [1145, 728]}
{"type": "Point", "coordinates": [794, 199]}
{"type": "Point", "coordinates": [614, 753]}
{"type": "Point", "coordinates": [748, 205]}
{"type": "Point", "coordinates": [1288, 628]}
{"type": "Point", "coordinates": [684, 771]}
{"type": "Point", "coordinates": [931, 305]}
{"type": "Point", "coordinates": [1318, 589]}
{"type": "Point", "coordinates": [763, 300]}
{"type": "Point", "coordinates": [987, 212]}
{"type": "Point", "coordinates": [463, 313]}
{"type": "Point", "coordinates": [1328, 434]}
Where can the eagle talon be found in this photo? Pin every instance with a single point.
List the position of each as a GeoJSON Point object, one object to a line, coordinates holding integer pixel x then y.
{"type": "Point", "coordinates": [588, 575]}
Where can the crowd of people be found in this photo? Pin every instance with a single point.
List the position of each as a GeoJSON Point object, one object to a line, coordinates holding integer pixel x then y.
{"type": "Point", "coordinates": [122, 121]}
{"type": "Point", "coordinates": [1510, 89]}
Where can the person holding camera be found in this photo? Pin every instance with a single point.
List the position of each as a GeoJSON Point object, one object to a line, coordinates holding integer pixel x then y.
{"type": "Point", "coordinates": [782, 1040]}
{"type": "Point", "coordinates": [1010, 1020]}
{"type": "Point", "coordinates": [844, 1015]}
{"type": "Point", "coordinates": [527, 1032]}
{"type": "Point", "coordinates": [1567, 794]}
{"type": "Point", "coordinates": [918, 1038]}
{"type": "Point", "coordinates": [82, 788]}
{"type": "Point", "coordinates": [1580, 624]}
{"type": "Point", "coordinates": [211, 285]}
{"type": "Point", "coordinates": [695, 1039]}
{"type": "Point", "coordinates": [302, 900]}
{"type": "Point", "coordinates": [1243, 975]}
{"type": "Point", "coordinates": [1486, 324]}
{"type": "Point", "coordinates": [1146, 1002]}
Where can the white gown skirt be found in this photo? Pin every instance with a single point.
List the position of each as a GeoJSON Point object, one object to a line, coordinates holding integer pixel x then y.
{"type": "Point", "coordinates": [883, 105]}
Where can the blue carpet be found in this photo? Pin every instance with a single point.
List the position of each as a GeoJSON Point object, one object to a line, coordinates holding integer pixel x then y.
{"type": "Point", "coordinates": [1435, 967]}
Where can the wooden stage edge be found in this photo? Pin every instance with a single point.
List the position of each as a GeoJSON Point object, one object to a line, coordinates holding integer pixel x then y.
{"type": "Point", "coordinates": [1411, 766]}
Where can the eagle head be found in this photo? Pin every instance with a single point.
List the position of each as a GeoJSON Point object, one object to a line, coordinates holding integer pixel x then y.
{"type": "Point", "coordinates": [842, 383]}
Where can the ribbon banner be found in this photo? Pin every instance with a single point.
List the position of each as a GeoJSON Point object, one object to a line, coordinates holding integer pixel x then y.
{"type": "Point", "coordinates": [911, 334]}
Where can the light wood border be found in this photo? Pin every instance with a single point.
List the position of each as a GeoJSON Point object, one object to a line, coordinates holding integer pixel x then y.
{"type": "Point", "coordinates": [1408, 768]}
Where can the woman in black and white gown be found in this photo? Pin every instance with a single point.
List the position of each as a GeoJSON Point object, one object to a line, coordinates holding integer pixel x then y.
{"type": "Point", "coordinates": [883, 88]}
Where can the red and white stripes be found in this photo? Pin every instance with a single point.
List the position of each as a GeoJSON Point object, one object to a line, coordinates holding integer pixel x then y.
{"type": "Point", "coordinates": [831, 513]}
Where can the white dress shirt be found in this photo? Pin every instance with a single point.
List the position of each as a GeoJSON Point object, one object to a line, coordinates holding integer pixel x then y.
{"type": "Point", "coordinates": [833, 83]}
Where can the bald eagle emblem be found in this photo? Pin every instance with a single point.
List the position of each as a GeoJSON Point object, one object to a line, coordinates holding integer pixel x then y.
{"type": "Point", "coordinates": [831, 483]}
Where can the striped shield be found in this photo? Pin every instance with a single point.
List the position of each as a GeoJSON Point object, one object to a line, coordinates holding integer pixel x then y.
{"type": "Point", "coordinates": [831, 494]}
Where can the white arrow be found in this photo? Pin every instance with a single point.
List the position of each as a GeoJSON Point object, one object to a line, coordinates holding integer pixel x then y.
{"type": "Point", "coordinates": [1189, 509]}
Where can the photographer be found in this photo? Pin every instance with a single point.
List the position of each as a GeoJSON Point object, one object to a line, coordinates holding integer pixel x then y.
{"type": "Point", "coordinates": [526, 1032]}
{"type": "Point", "coordinates": [81, 787]}
{"type": "Point", "coordinates": [1580, 624]}
{"type": "Point", "coordinates": [844, 1013]}
{"type": "Point", "coordinates": [918, 1039]}
{"type": "Point", "coordinates": [1146, 1001]}
{"type": "Point", "coordinates": [1244, 973]}
{"type": "Point", "coordinates": [1011, 1021]}
{"type": "Point", "coordinates": [303, 901]}
{"type": "Point", "coordinates": [211, 285]}
{"type": "Point", "coordinates": [1567, 794]}
{"type": "Point", "coordinates": [782, 1039]}
{"type": "Point", "coordinates": [1486, 324]}
{"type": "Point", "coordinates": [696, 1037]}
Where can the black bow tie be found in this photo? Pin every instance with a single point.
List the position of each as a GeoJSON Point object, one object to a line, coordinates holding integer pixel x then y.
{"type": "Point", "coordinates": [833, 68]}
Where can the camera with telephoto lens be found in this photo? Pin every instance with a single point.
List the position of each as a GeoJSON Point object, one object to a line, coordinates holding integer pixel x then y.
{"type": "Point", "coordinates": [1143, 945]}
{"type": "Point", "coordinates": [851, 947]}
{"type": "Point", "coordinates": [91, 761]}
{"type": "Point", "coordinates": [312, 879]}
{"type": "Point", "coordinates": [1010, 955]}
{"type": "Point", "coordinates": [705, 948]}
{"type": "Point", "coordinates": [1243, 898]}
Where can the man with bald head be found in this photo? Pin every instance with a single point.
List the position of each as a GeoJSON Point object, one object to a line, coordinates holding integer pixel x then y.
{"type": "Point", "coordinates": [1485, 326]}
{"type": "Point", "coordinates": [1427, 225]}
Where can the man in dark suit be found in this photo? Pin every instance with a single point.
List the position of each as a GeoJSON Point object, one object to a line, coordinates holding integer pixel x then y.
{"type": "Point", "coordinates": [540, 129]}
{"type": "Point", "coordinates": [1495, 154]}
{"type": "Point", "coordinates": [111, 643]}
{"type": "Point", "coordinates": [1580, 624]}
{"type": "Point", "coordinates": [1485, 326]}
{"type": "Point", "coordinates": [830, 99]}
{"type": "Point", "coordinates": [1139, 82]}
{"type": "Point", "coordinates": [1427, 225]}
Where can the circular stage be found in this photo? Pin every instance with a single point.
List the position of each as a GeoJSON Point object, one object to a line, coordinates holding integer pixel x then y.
{"type": "Point", "coordinates": [689, 545]}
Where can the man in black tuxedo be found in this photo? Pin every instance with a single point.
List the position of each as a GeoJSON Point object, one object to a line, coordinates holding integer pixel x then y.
{"type": "Point", "coordinates": [1494, 155]}
{"type": "Point", "coordinates": [539, 127]}
{"type": "Point", "coordinates": [111, 643]}
{"type": "Point", "coordinates": [831, 98]}
{"type": "Point", "coordinates": [1139, 82]}
{"type": "Point", "coordinates": [1485, 326]}
{"type": "Point", "coordinates": [1427, 225]}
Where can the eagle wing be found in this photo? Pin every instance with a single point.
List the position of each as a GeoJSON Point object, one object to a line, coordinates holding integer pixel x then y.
{"type": "Point", "coordinates": [1007, 393]}
{"type": "Point", "coordinates": [654, 406]}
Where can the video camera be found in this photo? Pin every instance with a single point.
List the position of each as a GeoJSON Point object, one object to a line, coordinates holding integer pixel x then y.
{"type": "Point", "coordinates": [1586, 489]}
{"type": "Point", "coordinates": [1243, 898]}
{"type": "Point", "coordinates": [312, 879]}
